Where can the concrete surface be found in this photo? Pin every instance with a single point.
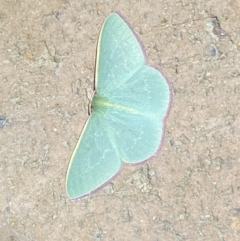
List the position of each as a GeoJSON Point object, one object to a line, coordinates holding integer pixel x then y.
{"type": "Point", "coordinates": [188, 191]}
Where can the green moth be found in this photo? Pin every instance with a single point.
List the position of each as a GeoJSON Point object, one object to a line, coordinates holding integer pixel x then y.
{"type": "Point", "coordinates": [129, 109]}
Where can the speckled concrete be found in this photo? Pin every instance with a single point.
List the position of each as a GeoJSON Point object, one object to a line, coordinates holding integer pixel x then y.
{"type": "Point", "coordinates": [188, 191]}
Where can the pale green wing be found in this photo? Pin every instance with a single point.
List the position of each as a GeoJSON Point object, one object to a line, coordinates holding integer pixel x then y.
{"type": "Point", "coordinates": [136, 114]}
{"type": "Point", "coordinates": [95, 159]}
{"type": "Point", "coordinates": [119, 55]}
